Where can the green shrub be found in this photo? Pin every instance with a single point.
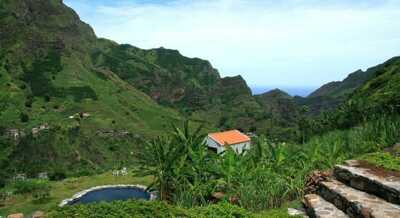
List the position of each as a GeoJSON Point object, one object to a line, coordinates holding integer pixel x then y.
{"type": "Point", "coordinates": [155, 209]}
{"type": "Point", "coordinates": [24, 117]}
{"type": "Point", "coordinates": [30, 186]}
{"type": "Point", "coordinates": [58, 174]}
{"type": "Point", "coordinates": [41, 195]}
{"type": "Point", "coordinates": [383, 159]}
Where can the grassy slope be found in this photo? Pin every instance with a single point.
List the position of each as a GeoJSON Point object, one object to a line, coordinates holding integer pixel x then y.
{"type": "Point", "coordinates": [329, 96]}
{"type": "Point", "coordinates": [383, 90]}
{"type": "Point", "coordinates": [190, 85]}
{"type": "Point", "coordinates": [382, 159]}
{"type": "Point", "coordinates": [46, 75]}
{"type": "Point", "coordinates": [75, 85]}
{"type": "Point", "coordinates": [345, 87]}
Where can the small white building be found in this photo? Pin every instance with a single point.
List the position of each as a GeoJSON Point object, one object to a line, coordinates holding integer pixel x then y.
{"type": "Point", "coordinates": [220, 141]}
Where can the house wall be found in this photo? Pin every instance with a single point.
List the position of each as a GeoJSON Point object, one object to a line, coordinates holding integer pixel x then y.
{"type": "Point", "coordinates": [238, 148]}
{"type": "Point", "coordinates": [213, 144]}
{"type": "Point", "coordinates": [241, 147]}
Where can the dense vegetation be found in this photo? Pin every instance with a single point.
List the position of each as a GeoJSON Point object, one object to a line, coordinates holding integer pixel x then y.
{"type": "Point", "coordinates": [269, 175]}
{"type": "Point", "coordinates": [331, 95]}
{"type": "Point", "coordinates": [99, 99]}
{"type": "Point", "coordinates": [90, 117]}
{"type": "Point", "coordinates": [161, 209]}
{"type": "Point", "coordinates": [376, 98]}
{"type": "Point", "coordinates": [149, 209]}
{"type": "Point", "coordinates": [73, 105]}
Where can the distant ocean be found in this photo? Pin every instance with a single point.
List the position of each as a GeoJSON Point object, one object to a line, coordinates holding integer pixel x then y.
{"type": "Point", "coordinates": [293, 91]}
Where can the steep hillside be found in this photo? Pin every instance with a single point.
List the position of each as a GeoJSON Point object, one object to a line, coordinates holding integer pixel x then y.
{"type": "Point", "coordinates": [382, 91]}
{"type": "Point", "coordinates": [331, 95]}
{"type": "Point", "coordinates": [281, 115]}
{"type": "Point", "coordinates": [58, 109]}
{"type": "Point", "coordinates": [377, 97]}
{"type": "Point", "coordinates": [72, 99]}
{"type": "Point", "coordinates": [280, 105]}
{"type": "Point", "coordinates": [347, 86]}
{"type": "Point", "coordinates": [163, 74]}
{"type": "Point", "coordinates": [189, 85]}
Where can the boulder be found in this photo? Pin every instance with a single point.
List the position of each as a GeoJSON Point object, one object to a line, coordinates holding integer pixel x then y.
{"type": "Point", "coordinates": [16, 215]}
{"type": "Point", "coordinates": [297, 212]}
{"type": "Point", "coordinates": [218, 195]}
{"type": "Point", "coordinates": [38, 214]}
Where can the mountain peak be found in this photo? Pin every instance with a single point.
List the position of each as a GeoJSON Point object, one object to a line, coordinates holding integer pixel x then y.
{"type": "Point", "coordinates": [276, 93]}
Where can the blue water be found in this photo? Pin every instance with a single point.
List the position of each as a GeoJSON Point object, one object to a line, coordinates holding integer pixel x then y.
{"type": "Point", "coordinates": [113, 194]}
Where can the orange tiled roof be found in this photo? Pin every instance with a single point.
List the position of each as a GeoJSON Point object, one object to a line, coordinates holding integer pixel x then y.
{"type": "Point", "coordinates": [229, 137]}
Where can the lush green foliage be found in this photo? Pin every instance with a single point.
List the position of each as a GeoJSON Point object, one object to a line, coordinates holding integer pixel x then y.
{"type": "Point", "coordinates": [53, 67]}
{"type": "Point", "coordinates": [377, 97]}
{"type": "Point", "coordinates": [29, 186]}
{"type": "Point", "coordinates": [175, 160]}
{"type": "Point", "coordinates": [47, 76]}
{"type": "Point", "coordinates": [149, 209]}
{"type": "Point", "coordinates": [269, 175]}
{"type": "Point", "coordinates": [383, 159]}
{"type": "Point", "coordinates": [331, 95]}
{"type": "Point", "coordinates": [41, 195]}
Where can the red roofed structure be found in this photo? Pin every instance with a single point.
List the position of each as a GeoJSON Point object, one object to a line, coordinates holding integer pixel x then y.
{"type": "Point", "coordinates": [220, 141]}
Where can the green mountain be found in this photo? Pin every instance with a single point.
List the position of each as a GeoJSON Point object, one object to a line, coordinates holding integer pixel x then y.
{"type": "Point", "coordinates": [165, 75]}
{"type": "Point", "coordinates": [376, 98]}
{"type": "Point", "coordinates": [68, 98]}
{"type": "Point", "coordinates": [281, 114]}
{"type": "Point", "coordinates": [190, 85]}
{"type": "Point", "coordinates": [279, 105]}
{"type": "Point", "coordinates": [48, 78]}
{"type": "Point", "coordinates": [382, 91]}
{"type": "Point", "coordinates": [331, 95]}
{"type": "Point", "coordinates": [345, 87]}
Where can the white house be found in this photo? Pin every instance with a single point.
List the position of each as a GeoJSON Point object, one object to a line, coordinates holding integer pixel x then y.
{"type": "Point", "coordinates": [220, 141]}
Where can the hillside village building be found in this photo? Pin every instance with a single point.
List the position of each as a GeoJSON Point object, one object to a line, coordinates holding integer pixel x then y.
{"type": "Point", "coordinates": [220, 141]}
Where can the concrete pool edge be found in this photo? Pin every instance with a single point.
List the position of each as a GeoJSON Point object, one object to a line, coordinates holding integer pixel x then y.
{"type": "Point", "coordinates": [96, 188]}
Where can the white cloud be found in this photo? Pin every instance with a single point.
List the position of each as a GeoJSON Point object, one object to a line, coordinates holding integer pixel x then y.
{"type": "Point", "coordinates": [271, 43]}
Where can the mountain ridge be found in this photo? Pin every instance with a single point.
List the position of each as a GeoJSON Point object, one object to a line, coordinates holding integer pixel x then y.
{"type": "Point", "coordinates": [90, 116]}
{"type": "Point", "coordinates": [101, 99]}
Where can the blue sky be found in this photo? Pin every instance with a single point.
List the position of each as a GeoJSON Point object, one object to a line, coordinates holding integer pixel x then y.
{"type": "Point", "coordinates": [271, 43]}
